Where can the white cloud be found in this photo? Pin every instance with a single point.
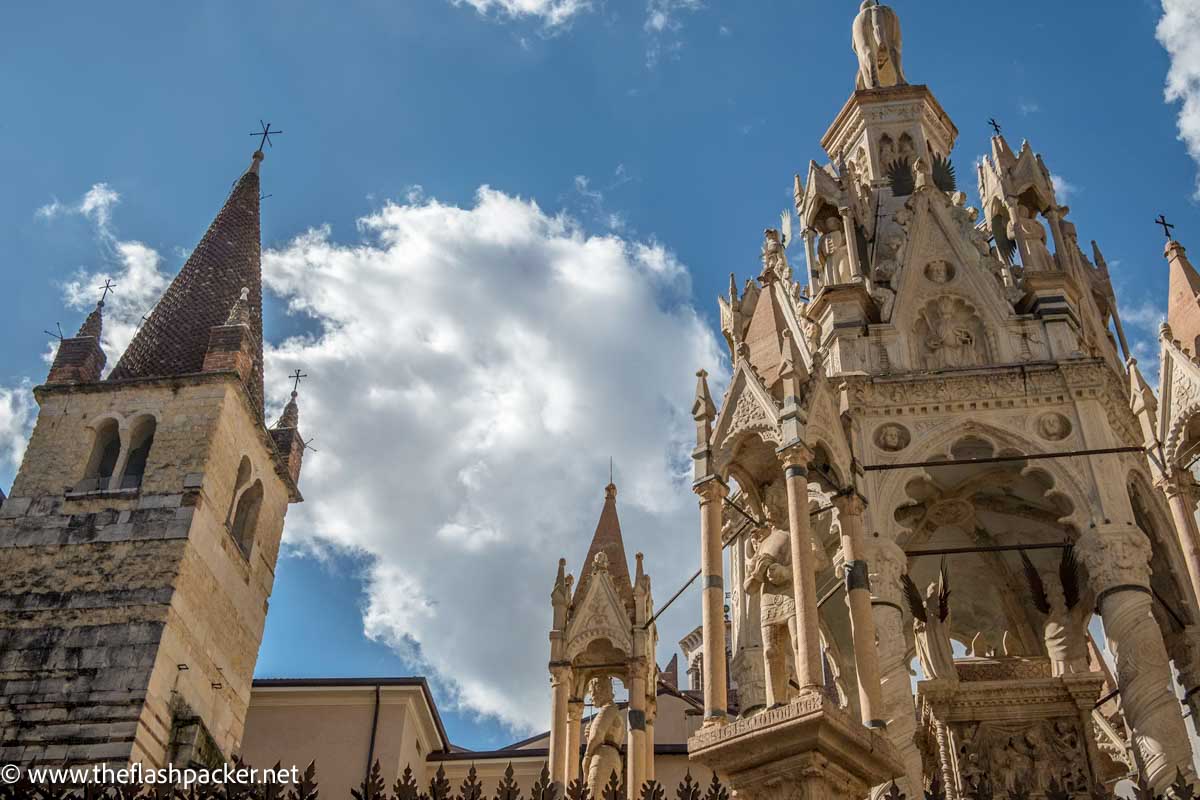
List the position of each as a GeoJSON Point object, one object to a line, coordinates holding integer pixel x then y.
{"type": "Point", "coordinates": [1062, 187]}
{"type": "Point", "coordinates": [132, 266]}
{"type": "Point", "coordinates": [663, 25]}
{"type": "Point", "coordinates": [1141, 323]}
{"type": "Point", "coordinates": [473, 370]}
{"type": "Point", "coordinates": [1027, 107]}
{"type": "Point", "coordinates": [16, 419]}
{"type": "Point", "coordinates": [552, 13]}
{"type": "Point", "coordinates": [1179, 32]}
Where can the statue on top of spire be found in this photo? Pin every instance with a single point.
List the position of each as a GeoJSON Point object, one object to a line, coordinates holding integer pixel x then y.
{"type": "Point", "coordinates": [877, 45]}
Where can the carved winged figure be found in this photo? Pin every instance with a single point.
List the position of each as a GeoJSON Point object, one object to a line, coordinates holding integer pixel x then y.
{"type": "Point", "coordinates": [931, 625]}
{"type": "Point", "coordinates": [602, 756]}
{"type": "Point", "coordinates": [1065, 627]}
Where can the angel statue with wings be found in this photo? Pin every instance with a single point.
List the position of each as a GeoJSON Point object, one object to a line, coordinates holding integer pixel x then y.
{"type": "Point", "coordinates": [1065, 628]}
{"type": "Point", "coordinates": [931, 626]}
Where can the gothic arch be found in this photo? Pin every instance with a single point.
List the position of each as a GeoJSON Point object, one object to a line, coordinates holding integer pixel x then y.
{"type": "Point", "coordinates": [1168, 573]}
{"type": "Point", "coordinates": [244, 526]}
{"type": "Point", "coordinates": [1177, 434]}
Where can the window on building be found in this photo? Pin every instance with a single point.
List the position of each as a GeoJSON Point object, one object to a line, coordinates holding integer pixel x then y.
{"type": "Point", "coordinates": [140, 442]}
{"type": "Point", "coordinates": [245, 518]}
{"type": "Point", "coordinates": [106, 449]}
{"type": "Point", "coordinates": [240, 483]}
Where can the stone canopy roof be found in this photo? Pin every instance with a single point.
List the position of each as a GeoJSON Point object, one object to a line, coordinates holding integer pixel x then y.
{"type": "Point", "coordinates": [175, 337]}
{"type": "Point", "coordinates": [607, 539]}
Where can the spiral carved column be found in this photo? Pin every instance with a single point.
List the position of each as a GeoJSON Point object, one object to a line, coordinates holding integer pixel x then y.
{"type": "Point", "coordinates": [1118, 563]}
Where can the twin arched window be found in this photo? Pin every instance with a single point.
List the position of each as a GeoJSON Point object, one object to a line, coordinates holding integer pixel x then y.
{"type": "Point", "coordinates": [119, 455]}
{"type": "Point", "coordinates": [242, 518]}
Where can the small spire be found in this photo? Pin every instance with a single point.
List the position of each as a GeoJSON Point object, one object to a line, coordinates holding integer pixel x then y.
{"type": "Point", "coordinates": [290, 418]}
{"type": "Point", "coordinates": [703, 408]}
{"type": "Point", "coordinates": [240, 313]}
{"type": "Point", "coordinates": [1098, 257]}
{"type": "Point", "coordinates": [93, 325]}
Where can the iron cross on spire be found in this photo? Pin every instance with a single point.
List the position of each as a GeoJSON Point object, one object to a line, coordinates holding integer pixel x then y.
{"type": "Point", "coordinates": [265, 135]}
{"type": "Point", "coordinates": [995, 125]}
{"type": "Point", "coordinates": [297, 376]}
{"type": "Point", "coordinates": [105, 289]}
{"type": "Point", "coordinates": [1166, 226]}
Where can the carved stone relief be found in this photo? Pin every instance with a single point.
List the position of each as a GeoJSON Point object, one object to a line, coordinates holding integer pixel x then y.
{"type": "Point", "coordinates": [892, 437]}
{"type": "Point", "coordinates": [939, 271]}
{"type": "Point", "coordinates": [1054, 426]}
{"type": "Point", "coordinates": [950, 334]}
{"type": "Point", "coordinates": [1023, 756]}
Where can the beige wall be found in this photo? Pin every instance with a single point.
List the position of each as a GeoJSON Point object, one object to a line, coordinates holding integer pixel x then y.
{"type": "Point", "coordinates": [332, 726]}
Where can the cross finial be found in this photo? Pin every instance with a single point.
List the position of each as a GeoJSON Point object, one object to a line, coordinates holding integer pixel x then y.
{"type": "Point", "coordinates": [265, 135]}
{"type": "Point", "coordinates": [297, 376]}
{"type": "Point", "coordinates": [58, 335]}
{"type": "Point", "coordinates": [105, 289]}
{"type": "Point", "coordinates": [995, 125]}
{"type": "Point", "coordinates": [1166, 226]}
{"type": "Point", "coordinates": [308, 445]}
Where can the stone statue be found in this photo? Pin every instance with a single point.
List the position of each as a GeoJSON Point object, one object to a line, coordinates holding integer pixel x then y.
{"type": "Point", "coordinates": [947, 332]}
{"type": "Point", "coordinates": [931, 626]}
{"type": "Point", "coordinates": [1028, 232]}
{"type": "Point", "coordinates": [834, 254]}
{"type": "Point", "coordinates": [774, 260]}
{"type": "Point", "coordinates": [602, 757]}
{"type": "Point", "coordinates": [769, 573]}
{"type": "Point", "coordinates": [1065, 627]}
{"type": "Point", "coordinates": [877, 44]}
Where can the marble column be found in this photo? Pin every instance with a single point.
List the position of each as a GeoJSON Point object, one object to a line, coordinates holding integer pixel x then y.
{"type": "Point", "coordinates": [1061, 252]}
{"type": "Point", "coordinates": [858, 597]}
{"type": "Point", "coordinates": [809, 672]}
{"type": "Point", "coordinates": [856, 268]}
{"type": "Point", "coordinates": [887, 563]}
{"type": "Point", "coordinates": [1117, 559]}
{"type": "Point", "coordinates": [815, 279]}
{"type": "Point", "coordinates": [574, 730]}
{"type": "Point", "coordinates": [651, 713]}
{"type": "Point", "coordinates": [560, 682]}
{"type": "Point", "coordinates": [635, 747]}
{"type": "Point", "coordinates": [1182, 513]}
{"type": "Point", "coordinates": [712, 612]}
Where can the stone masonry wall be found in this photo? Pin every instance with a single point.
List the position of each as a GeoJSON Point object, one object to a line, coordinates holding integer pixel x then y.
{"type": "Point", "coordinates": [123, 612]}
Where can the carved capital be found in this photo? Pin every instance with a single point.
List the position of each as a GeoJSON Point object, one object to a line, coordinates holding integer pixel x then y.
{"type": "Point", "coordinates": [849, 505]}
{"type": "Point", "coordinates": [795, 456]}
{"type": "Point", "coordinates": [711, 490]}
{"type": "Point", "coordinates": [560, 674]}
{"type": "Point", "coordinates": [1115, 558]}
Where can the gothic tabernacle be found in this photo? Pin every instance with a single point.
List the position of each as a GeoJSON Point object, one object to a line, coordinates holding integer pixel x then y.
{"type": "Point", "coordinates": [935, 448]}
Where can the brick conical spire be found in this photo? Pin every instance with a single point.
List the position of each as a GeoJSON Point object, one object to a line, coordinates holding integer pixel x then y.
{"type": "Point", "coordinates": [175, 338]}
{"type": "Point", "coordinates": [1183, 304]}
{"type": "Point", "coordinates": [607, 539]}
{"type": "Point", "coordinates": [290, 418]}
{"type": "Point", "coordinates": [94, 324]}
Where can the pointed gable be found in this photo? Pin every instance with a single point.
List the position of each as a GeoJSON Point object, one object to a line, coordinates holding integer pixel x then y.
{"type": "Point", "coordinates": [175, 337]}
{"type": "Point", "coordinates": [608, 540]}
{"type": "Point", "coordinates": [1183, 306]}
{"type": "Point", "coordinates": [764, 336]}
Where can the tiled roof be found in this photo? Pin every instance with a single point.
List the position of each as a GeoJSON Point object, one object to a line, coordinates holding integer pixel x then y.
{"type": "Point", "coordinates": [175, 337]}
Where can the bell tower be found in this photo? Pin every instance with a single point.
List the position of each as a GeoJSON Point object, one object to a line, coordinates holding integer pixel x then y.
{"type": "Point", "coordinates": [140, 537]}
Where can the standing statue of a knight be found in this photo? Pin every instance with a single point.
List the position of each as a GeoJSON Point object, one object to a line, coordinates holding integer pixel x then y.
{"type": "Point", "coordinates": [602, 756]}
{"type": "Point", "coordinates": [769, 574]}
{"type": "Point", "coordinates": [877, 45]}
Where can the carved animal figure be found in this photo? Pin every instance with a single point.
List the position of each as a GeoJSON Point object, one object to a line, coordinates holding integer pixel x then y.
{"type": "Point", "coordinates": [877, 44]}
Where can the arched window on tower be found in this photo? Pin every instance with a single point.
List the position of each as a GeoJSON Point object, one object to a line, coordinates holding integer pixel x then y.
{"type": "Point", "coordinates": [240, 483]}
{"type": "Point", "coordinates": [245, 518]}
{"type": "Point", "coordinates": [106, 449]}
{"type": "Point", "coordinates": [140, 442]}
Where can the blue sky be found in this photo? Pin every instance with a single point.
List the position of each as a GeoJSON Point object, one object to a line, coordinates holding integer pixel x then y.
{"type": "Point", "coordinates": [648, 144]}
